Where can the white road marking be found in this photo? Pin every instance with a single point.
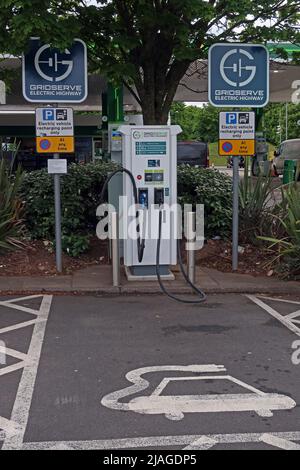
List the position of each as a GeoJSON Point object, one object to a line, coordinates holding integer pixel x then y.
{"type": "Point", "coordinates": [293, 315]}
{"type": "Point", "coordinates": [175, 407]}
{"type": "Point", "coordinates": [279, 442]}
{"type": "Point", "coordinates": [20, 299]}
{"type": "Point", "coordinates": [204, 443]}
{"type": "Point", "coordinates": [9, 427]}
{"type": "Point", "coordinates": [18, 326]}
{"type": "Point", "coordinates": [21, 308]}
{"type": "Point", "coordinates": [12, 368]}
{"type": "Point", "coordinates": [30, 362]}
{"type": "Point", "coordinates": [158, 441]}
{"type": "Point", "coordinates": [282, 319]}
{"type": "Point", "coordinates": [13, 353]}
{"type": "Point", "coordinates": [140, 384]}
{"type": "Point", "coordinates": [279, 300]}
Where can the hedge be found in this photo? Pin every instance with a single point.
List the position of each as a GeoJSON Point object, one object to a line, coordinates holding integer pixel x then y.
{"type": "Point", "coordinates": [81, 190]}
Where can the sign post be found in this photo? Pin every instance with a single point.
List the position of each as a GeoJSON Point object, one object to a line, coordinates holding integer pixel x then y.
{"type": "Point", "coordinates": [236, 139]}
{"type": "Point", "coordinates": [55, 134]}
{"type": "Point", "coordinates": [238, 78]}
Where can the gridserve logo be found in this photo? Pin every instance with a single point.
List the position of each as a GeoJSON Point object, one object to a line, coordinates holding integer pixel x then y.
{"type": "Point", "coordinates": [238, 75]}
{"type": "Point", "coordinates": [51, 75]}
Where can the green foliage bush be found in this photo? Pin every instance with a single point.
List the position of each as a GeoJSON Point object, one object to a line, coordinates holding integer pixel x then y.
{"type": "Point", "coordinates": [11, 208]}
{"type": "Point", "coordinates": [256, 198]}
{"type": "Point", "coordinates": [214, 190]}
{"type": "Point", "coordinates": [286, 242]}
{"type": "Point", "coordinates": [81, 189]}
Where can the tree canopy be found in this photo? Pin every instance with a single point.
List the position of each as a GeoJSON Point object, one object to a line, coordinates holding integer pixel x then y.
{"type": "Point", "coordinates": [147, 44]}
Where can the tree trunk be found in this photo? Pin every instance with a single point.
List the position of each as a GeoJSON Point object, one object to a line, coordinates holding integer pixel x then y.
{"type": "Point", "coordinates": [158, 91]}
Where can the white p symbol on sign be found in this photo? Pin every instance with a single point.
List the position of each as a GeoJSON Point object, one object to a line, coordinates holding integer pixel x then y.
{"type": "Point", "coordinates": [48, 114]}
{"type": "Point", "coordinates": [231, 118]}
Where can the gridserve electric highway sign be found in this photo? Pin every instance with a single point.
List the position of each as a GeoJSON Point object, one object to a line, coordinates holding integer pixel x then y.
{"type": "Point", "coordinates": [52, 76]}
{"type": "Point", "coordinates": [238, 75]}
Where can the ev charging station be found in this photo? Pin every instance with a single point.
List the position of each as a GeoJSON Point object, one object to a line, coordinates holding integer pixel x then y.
{"type": "Point", "coordinates": [150, 154]}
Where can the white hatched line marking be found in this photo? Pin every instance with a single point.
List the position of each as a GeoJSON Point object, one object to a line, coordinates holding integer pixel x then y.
{"type": "Point", "coordinates": [286, 322]}
{"type": "Point", "coordinates": [157, 441]}
{"type": "Point", "coordinates": [13, 353]}
{"type": "Point", "coordinates": [293, 315]}
{"type": "Point", "coordinates": [23, 400]}
{"type": "Point", "coordinates": [14, 429]}
{"type": "Point", "coordinates": [21, 308]}
{"type": "Point", "coordinates": [19, 299]}
{"type": "Point", "coordinates": [9, 427]}
{"type": "Point", "coordinates": [204, 443]}
{"type": "Point", "coordinates": [12, 368]}
{"type": "Point", "coordinates": [18, 326]}
{"type": "Point", "coordinates": [279, 442]}
{"type": "Point", "coordinates": [280, 300]}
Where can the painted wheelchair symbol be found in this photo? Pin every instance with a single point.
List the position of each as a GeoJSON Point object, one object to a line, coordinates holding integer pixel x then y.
{"type": "Point", "coordinates": [174, 407]}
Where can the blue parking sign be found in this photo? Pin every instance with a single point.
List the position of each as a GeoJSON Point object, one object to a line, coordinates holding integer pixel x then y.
{"type": "Point", "coordinates": [238, 75]}
{"type": "Point", "coordinates": [52, 76]}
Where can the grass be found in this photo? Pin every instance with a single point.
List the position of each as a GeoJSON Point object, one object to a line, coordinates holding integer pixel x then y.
{"type": "Point", "coordinates": [214, 155]}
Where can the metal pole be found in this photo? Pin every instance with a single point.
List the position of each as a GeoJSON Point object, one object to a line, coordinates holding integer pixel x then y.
{"type": "Point", "coordinates": [235, 218]}
{"type": "Point", "coordinates": [57, 199]}
{"type": "Point", "coordinates": [114, 236]}
{"type": "Point", "coordinates": [286, 122]}
{"type": "Point", "coordinates": [191, 237]}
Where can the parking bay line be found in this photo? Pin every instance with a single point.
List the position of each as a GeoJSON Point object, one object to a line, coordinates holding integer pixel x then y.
{"type": "Point", "coordinates": [286, 322]}
{"type": "Point", "coordinates": [22, 404]}
{"type": "Point", "coordinates": [166, 441]}
{"type": "Point", "coordinates": [279, 442]}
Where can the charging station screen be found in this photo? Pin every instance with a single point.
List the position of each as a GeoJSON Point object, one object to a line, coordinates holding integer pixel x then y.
{"type": "Point", "coordinates": [151, 148]}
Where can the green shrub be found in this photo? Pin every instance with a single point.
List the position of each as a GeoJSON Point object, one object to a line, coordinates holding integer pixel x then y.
{"type": "Point", "coordinates": [287, 221]}
{"type": "Point", "coordinates": [11, 226]}
{"type": "Point", "coordinates": [80, 193]}
{"type": "Point", "coordinates": [214, 190]}
{"type": "Point", "coordinates": [255, 198]}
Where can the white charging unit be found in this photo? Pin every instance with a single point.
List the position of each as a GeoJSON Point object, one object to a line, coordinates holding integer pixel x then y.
{"type": "Point", "coordinates": [150, 154]}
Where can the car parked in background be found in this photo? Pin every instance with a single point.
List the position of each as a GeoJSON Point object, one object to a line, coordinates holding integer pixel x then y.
{"type": "Point", "coordinates": [288, 150]}
{"type": "Point", "coordinates": [193, 153]}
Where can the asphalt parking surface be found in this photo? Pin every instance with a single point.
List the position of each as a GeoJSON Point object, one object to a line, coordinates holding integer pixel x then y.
{"type": "Point", "coordinates": [219, 375]}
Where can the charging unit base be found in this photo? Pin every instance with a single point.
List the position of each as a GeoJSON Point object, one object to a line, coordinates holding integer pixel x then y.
{"type": "Point", "coordinates": [148, 273]}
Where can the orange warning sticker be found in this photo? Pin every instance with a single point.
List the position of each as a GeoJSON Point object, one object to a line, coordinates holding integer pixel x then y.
{"type": "Point", "coordinates": [237, 148]}
{"type": "Point", "coordinates": [55, 144]}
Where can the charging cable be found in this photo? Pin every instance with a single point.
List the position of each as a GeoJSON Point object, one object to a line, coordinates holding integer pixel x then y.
{"type": "Point", "coordinates": [141, 244]}
{"type": "Point", "coordinates": [202, 296]}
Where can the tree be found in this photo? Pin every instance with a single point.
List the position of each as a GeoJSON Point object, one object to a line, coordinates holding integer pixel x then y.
{"type": "Point", "coordinates": [147, 44]}
{"type": "Point", "coordinates": [275, 117]}
{"type": "Point", "coordinates": [188, 118]}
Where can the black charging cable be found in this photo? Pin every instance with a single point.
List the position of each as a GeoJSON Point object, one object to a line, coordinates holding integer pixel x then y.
{"type": "Point", "coordinates": [202, 296]}
{"type": "Point", "coordinates": [140, 241]}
